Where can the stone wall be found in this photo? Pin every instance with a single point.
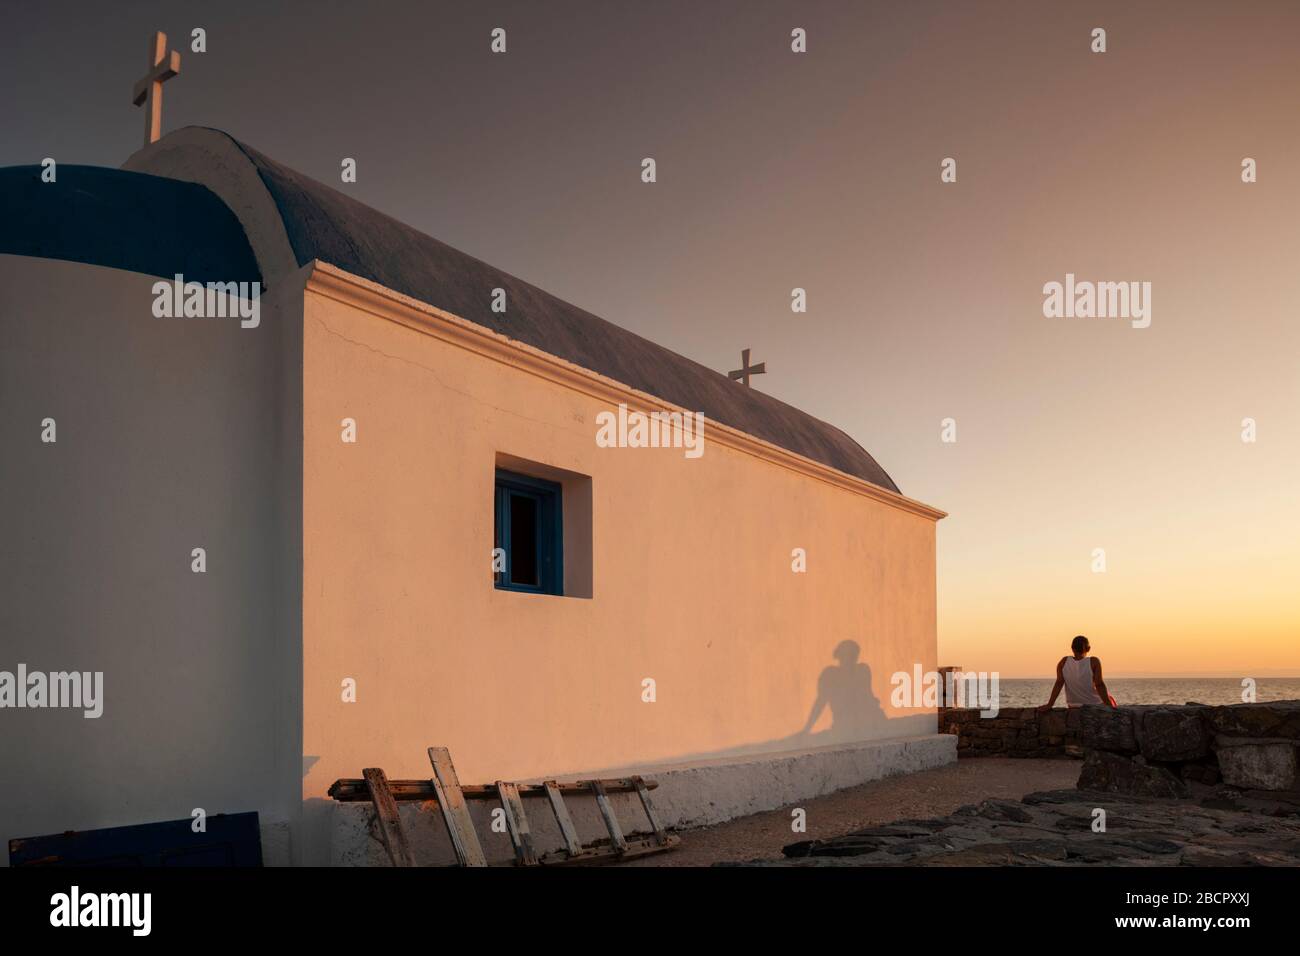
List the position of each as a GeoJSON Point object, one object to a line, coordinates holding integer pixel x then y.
{"type": "Point", "coordinates": [1014, 732]}
{"type": "Point", "coordinates": [1153, 750]}
{"type": "Point", "coordinates": [1157, 751]}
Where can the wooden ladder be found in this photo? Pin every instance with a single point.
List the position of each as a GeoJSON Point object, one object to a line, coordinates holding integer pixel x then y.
{"type": "Point", "coordinates": [451, 797]}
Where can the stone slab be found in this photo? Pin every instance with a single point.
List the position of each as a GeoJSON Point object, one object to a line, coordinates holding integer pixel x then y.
{"type": "Point", "coordinates": [1253, 765]}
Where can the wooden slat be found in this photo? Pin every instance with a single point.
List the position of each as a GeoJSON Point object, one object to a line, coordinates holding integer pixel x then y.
{"type": "Point", "coordinates": [349, 789]}
{"type": "Point", "coordinates": [661, 835]}
{"type": "Point", "coordinates": [517, 823]}
{"type": "Point", "coordinates": [390, 824]}
{"type": "Point", "coordinates": [572, 845]}
{"type": "Point", "coordinates": [607, 811]}
{"type": "Point", "coordinates": [454, 809]}
{"type": "Point", "coordinates": [594, 856]}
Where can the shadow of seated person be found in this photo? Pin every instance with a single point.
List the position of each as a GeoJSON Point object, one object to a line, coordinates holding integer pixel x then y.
{"type": "Point", "coordinates": [845, 688]}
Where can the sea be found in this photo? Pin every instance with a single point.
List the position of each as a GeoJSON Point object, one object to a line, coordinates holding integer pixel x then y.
{"type": "Point", "coordinates": [1155, 690]}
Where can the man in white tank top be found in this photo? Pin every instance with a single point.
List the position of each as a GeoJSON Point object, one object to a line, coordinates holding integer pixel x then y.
{"type": "Point", "coordinates": [1080, 675]}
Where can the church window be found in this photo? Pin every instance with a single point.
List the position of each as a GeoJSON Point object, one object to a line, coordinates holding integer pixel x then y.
{"type": "Point", "coordinates": [529, 530]}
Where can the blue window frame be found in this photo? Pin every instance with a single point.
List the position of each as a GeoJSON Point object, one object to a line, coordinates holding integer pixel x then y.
{"type": "Point", "coordinates": [530, 531]}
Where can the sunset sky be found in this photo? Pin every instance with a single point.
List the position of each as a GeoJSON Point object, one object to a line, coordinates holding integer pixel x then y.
{"type": "Point", "coordinates": [821, 170]}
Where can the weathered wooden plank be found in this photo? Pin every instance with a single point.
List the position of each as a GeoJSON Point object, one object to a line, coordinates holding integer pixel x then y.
{"type": "Point", "coordinates": [660, 834]}
{"type": "Point", "coordinates": [607, 811]}
{"type": "Point", "coordinates": [572, 845]}
{"type": "Point", "coordinates": [607, 853]}
{"type": "Point", "coordinates": [517, 823]}
{"type": "Point", "coordinates": [454, 809]}
{"type": "Point", "coordinates": [390, 824]}
{"type": "Point", "coordinates": [351, 789]}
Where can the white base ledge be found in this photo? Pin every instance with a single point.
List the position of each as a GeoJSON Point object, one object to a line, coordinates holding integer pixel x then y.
{"type": "Point", "coordinates": [692, 794]}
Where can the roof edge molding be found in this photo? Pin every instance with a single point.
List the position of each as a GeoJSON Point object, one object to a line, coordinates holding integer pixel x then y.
{"type": "Point", "coordinates": [378, 300]}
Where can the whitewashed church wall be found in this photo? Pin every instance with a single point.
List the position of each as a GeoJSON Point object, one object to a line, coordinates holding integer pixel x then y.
{"type": "Point", "coordinates": [691, 582]}
{"type": "Point", "coordinates": [169, 436]}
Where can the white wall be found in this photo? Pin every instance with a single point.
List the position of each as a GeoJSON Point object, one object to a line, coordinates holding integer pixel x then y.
{"type": "Point", "coordinates": [691, 578]}
{"type": "Point", "coordinates": [172, 434]}
{"type": "Point", "coordinates": [175, 434]}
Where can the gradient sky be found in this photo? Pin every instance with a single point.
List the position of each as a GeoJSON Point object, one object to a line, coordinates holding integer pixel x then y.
{"type": "Point", "coordinates": [821, 171]}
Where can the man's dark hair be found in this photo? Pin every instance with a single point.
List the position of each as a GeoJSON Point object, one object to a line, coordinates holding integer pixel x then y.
{"type": "Point", "coordinates": [1079, 644]}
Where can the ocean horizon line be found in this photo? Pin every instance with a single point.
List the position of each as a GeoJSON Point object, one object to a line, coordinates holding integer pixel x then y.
{"type": "Point", "coordinates": [1162, 675]}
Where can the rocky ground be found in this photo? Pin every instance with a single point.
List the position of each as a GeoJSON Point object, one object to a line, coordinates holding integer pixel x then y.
{"type": "Point", "coordinates": [923, 794]}
{"type": "Point", "coordinates": [1159, 785]}
{"type": "Point", "coordinates": [1217, 826]}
